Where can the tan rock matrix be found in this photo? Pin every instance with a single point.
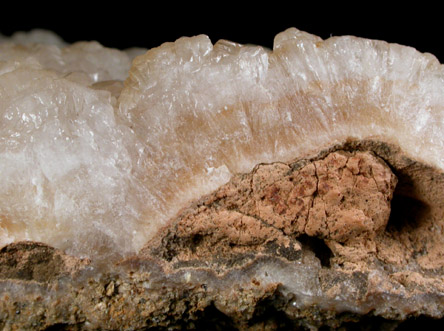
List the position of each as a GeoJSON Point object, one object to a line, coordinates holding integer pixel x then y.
{"type": "Point", "coordinates": [220, 186]}
{"type": "Point", "coordinates": [343, 198]}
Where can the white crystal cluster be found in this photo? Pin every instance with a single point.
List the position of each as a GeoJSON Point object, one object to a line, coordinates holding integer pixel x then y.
{"type": "Point", "coordinates": [95, 167]}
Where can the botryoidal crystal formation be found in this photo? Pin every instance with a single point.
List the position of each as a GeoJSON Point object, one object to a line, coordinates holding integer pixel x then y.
{"type": "Point", "coordinates": [220, 186]}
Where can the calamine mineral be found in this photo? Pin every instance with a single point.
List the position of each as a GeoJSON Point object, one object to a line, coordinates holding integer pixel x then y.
{"type": "Point", "coordinates": [97, 153]}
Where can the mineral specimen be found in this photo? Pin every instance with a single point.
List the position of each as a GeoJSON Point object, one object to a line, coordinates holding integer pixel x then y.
{"type": "Point", "coordinates": [191, 183]}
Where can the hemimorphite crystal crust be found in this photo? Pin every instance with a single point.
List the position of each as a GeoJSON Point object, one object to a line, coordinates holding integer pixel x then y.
{"type": "Point", "coordinates": [96, 172]}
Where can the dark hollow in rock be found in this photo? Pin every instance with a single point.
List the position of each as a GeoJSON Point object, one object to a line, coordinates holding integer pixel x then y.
{"type": "Point", "coordinates": [407, 212]}
{"type": "Point", "coordinates": [318, 247]}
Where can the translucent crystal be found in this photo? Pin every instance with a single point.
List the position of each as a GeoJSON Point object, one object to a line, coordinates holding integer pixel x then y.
{"type": "Point", "coordinates": [36, 36]}
{"type": "Point", "coordinates": [94, 171]}
{"type": "Point", "coordinates": [91, 59]}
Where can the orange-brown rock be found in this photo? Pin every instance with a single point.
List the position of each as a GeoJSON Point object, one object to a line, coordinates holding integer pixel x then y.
{"type": "Point", "coordinates": [343, 197]}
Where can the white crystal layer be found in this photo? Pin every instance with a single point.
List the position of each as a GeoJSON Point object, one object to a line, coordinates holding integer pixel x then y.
{"type": "Point", "coordinates": [86, 62]}
{"type": "Point", "coordinates": [84, 172]}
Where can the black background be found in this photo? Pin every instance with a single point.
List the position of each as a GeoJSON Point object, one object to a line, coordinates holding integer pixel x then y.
{"type": "Point", "coordinates": [124, 25]}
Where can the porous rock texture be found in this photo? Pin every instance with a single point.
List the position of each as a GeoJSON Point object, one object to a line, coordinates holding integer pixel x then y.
{"type": "Point", "coordinates": [161, 204]}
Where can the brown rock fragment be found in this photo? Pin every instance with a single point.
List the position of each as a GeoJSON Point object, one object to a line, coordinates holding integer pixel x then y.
{"type": "Point", "coordinates": [340, 197]}
{"type": "Point", "coordinates": [38, 262]}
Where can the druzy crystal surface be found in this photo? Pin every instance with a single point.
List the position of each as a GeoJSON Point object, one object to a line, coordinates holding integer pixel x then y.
{"type": "Point", "coordinates": [97, 153]}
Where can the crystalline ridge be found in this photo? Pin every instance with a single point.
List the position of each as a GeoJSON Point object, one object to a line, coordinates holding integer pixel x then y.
{"type": "Point", "coordinates": [94, 171]}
